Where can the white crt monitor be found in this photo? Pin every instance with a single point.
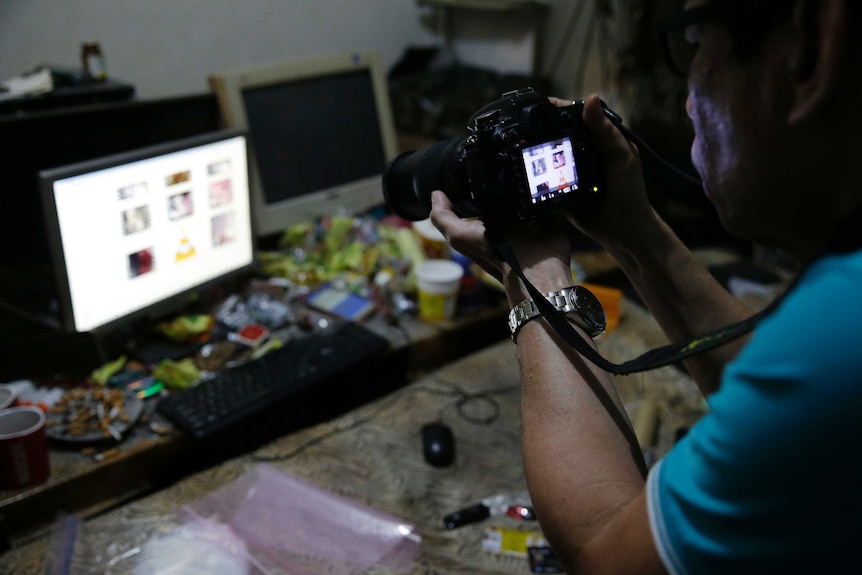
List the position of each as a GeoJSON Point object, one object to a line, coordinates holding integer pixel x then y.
{"type": "Point", "coordinates": [141, 232]}
{"type": "Point", "coordinates": [321, 132]}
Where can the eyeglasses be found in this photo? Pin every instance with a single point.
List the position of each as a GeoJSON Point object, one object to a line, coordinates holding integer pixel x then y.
{"type": "Point", "coordinates": [679, 33]}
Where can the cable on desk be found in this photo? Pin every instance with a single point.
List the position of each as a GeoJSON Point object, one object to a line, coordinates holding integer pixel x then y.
{"type": "Point", "coordinates": [312, 442]}
{"type": "Point", "coordinates": [464, 398]}
{"type": "Point", "coordinates": [336, 430]}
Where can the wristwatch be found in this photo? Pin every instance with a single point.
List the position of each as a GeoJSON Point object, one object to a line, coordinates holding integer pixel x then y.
{"type": "Point", "coordinates": [577, 302]}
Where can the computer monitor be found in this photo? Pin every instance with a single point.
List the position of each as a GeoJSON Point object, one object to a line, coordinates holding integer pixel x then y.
{"type": "Point", "coordinates": [137, 234]}
{"type": "Point", "coordinates": [321, 132]}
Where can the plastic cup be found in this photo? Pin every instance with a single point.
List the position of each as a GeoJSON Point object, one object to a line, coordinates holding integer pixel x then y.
{"type": "Point", "coordinates": [433, 242]}
{"type": "Point", "coordinates": [437, 282]}
{"type": "Point", "coordinates": [23, 447]}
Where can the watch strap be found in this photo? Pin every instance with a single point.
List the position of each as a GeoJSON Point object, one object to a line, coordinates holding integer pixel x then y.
{"type": "Point", "coordinates": [565, 301]}
{"type": "Point", "coordinates": [521, 314]}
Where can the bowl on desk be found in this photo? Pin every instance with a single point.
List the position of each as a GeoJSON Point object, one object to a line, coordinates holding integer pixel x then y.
{"type": "Point", "coordinates": [90, 416]}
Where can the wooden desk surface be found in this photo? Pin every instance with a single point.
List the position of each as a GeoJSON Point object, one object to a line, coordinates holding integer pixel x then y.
{"type": "Point", "coordinates": [372, 454]}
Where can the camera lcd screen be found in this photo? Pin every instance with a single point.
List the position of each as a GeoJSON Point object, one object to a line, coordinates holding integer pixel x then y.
{"type": "Point", "coordinates": [550, 168]}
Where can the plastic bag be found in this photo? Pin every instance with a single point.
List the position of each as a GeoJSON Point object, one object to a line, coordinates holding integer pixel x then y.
{"type": "Point", "coordinates": [294, 526]}
{"type": "Point", "coordinates": [159, 546]}
{"type": "Point", "coordinates": [266, 523]}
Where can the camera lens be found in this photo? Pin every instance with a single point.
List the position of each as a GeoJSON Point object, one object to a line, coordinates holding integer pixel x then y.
{"type": "Point", "coordinates": [410, 178]}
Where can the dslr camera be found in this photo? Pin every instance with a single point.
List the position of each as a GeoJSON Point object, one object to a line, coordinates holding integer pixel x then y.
{"type": "Point", "coordinates": [524, 159]}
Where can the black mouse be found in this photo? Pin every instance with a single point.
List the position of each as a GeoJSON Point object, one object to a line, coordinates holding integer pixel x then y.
{"type": "Point", "coordinates": [438, 444]}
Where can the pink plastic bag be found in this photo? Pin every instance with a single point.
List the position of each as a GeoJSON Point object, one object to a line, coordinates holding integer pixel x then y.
{"type": "Point", "coordinates": [302, 528]}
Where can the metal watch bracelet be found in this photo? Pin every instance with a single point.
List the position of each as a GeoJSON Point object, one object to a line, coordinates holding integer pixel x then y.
{"type": "Point", "coordinates": [577, 302]}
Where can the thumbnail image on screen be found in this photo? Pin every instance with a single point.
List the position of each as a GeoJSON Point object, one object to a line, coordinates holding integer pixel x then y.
{"type": "Point", "coordinates": [551, 170]}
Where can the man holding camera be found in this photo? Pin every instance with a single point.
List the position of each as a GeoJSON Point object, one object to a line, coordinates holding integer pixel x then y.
{"type": "Point", "coordinates": [768, 480]}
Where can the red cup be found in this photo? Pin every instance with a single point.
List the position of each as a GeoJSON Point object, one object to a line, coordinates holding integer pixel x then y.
{"type": "Point", "coordinates": [23, 447]}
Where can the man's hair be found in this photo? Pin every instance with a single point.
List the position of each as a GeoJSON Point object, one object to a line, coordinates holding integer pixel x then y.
{"type": "Point", "coordinates": [748, 32]}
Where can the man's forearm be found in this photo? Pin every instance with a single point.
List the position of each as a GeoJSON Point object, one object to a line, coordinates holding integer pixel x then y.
{"type": "Point", "coordinates": [581, 471]}
{"type": "Point", "coordinates": [682, 295]}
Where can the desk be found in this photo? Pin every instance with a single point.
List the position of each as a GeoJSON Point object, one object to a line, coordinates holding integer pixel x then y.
{"type": "Point", "coordinates": [372, 454]}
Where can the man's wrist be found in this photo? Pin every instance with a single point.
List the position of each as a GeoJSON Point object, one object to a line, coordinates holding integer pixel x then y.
{"type": "Point", "coordinates": [547, 277]}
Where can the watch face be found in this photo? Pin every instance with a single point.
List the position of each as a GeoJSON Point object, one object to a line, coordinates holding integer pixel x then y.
{"type": "Point", "coordinates": [588, 305]}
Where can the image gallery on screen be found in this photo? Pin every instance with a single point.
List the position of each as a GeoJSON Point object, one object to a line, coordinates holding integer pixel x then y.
{"type": "Point", "coordinates": [550, 168]}
{"type": "Point", "coordinates": [139, 204]}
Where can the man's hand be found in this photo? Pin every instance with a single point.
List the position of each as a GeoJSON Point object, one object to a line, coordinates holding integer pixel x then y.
{"type": "Point", "coordinates": [543, 250]}
{"type": "Point", "coordinates": [625, 207]}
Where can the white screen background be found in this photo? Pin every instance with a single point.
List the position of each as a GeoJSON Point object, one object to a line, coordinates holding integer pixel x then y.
{"type": "Point", "coordinates": [185, 252]}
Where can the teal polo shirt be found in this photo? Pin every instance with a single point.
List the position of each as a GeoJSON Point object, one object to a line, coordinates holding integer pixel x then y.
{"type": "Point", "coordinates": [770, 479]}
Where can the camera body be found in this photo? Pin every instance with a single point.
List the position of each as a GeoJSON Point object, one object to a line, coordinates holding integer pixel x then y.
{"type": "Point", "coordinates": [524, 159]}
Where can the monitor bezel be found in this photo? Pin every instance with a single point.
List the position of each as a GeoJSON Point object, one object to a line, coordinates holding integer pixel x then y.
{"type": "Point", "coordinates": [355, 197]}
{"type": "Point", "coordinates": [155, 310]}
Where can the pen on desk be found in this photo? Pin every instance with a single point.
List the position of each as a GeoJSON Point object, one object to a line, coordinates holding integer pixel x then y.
{"type": "Point", "coordinates": [490, 507]}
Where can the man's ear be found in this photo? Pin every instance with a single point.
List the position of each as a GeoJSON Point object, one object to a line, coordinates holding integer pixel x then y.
{"type": "Point", "coordinates": [814, 68]}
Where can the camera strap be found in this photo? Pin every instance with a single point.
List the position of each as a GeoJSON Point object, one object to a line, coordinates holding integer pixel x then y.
{"type": "Point", "coordinates": [653, 359]}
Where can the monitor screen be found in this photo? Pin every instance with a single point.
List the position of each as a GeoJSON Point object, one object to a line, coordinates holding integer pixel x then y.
{"type": "Point", "coordinates": [132, 233]}
{"type": "Point", "coordinates": [321, 132]}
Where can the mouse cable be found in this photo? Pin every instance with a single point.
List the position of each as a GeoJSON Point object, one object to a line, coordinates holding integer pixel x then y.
{"type": "Point", "coordinates": [337, 429]}
{"type": "Point", "coordinates": [467, 398]}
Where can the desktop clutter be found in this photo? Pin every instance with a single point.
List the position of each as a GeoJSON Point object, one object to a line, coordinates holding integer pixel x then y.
{"type": "Point", "coordinates": [333, 271]}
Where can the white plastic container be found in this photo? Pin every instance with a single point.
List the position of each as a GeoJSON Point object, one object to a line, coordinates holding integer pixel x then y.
{"type": "Point", "coordinates": [437, 282]}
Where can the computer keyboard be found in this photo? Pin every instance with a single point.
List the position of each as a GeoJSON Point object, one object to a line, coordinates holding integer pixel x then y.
{"type": "Point", "coordinates": [244, 390]}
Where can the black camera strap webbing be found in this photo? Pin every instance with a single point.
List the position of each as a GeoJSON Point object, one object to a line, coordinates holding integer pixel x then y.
{"type": "Point", "coordinates": [655, 358]}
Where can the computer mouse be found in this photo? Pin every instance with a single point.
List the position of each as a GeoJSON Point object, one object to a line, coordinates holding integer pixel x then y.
{"type": "Point", "coordinates": [438, 444]}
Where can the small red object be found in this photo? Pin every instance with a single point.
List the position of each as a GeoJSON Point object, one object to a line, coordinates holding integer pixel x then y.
{"type": "Point", "coordinates": [252, 335]}
{"type": "Point", "coordinates": [521, 512]}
